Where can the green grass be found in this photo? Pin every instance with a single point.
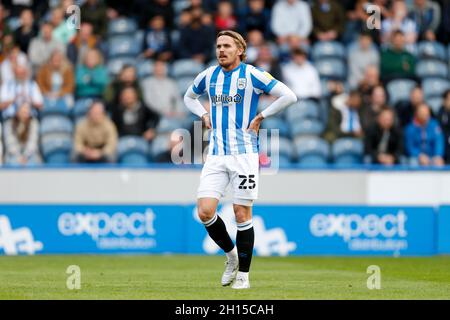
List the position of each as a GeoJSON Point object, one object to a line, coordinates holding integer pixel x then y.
{"type": "Point", "coordinates": [198, 277]}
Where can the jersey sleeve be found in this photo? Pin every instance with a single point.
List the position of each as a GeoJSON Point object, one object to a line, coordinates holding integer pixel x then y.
{"type": "Point", "coordinates": [199, 86]}
{"type": "Point", "coordinates": [262, 80]}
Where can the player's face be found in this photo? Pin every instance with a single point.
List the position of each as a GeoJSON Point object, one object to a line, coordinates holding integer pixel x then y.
{"type": "Point", "coordinates": [227, 52]}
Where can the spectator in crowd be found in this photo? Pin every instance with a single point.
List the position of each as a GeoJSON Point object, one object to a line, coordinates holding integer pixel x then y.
{"type": "Point", "coordinates": [301, 76]}
{"type": "Point", "coordinates": [225, 18]}
{"type": "Point", "coordinates": [132, 117]}
{"type": "Point", "coordinates": [443, 118]}
{"type": "Point", "coordinates": [407, 109]}
{"type": "Point", "coordinates": [195, 40]}
{"type": "Point", "coordinates": [4, 28]}
{"type": "Point", "coordinates": [157, 42]}
{"type": "Point", "coordinates": [291, 18]}
{"type": "Point", "coordinates": [377, 103]}
{"type": "Point", "coordinates": [344, 119]}
{"type": "Point", "coordinates": [15, 7]}
{"type": "Point", "coordinates": [41, 47]}
{"type": "Point", "coordinates": [267, 62]}
{"type": "Point", "coordinates": [56, 79]}
{"type": "Point", "coordinates": [83, 41]}
{"type": "Point", "coordinates": [62, 31]}
{"type": "Point", "coordinates": [14, 56]}
{"type": "Point", "coordinates": [399, 21]}
{"type": "Point", "coordinates": [370, 80]}
{"type": "Point", "coordinates": [91, 76]}
{"type": "Point", "coordinates": [384, 141]}
{"type": "Point", "coordinates": [161, 93]}
{"type": "Point", "coordinates": [95, 138]}
{"type": "Point", "coordinates": [22, 138]}
{"type": "Point", "coordinates": [328, 20]}
{"type": "Point", "coordinates": [27, 30]}
{"type": "Point", "coordinates": [255, 17]}
{"type": "Point", "coordinates": [150, 8]}
{"type": "Point", "coordinates": [397, 62]}
{"type": "Point", "coordinates": [6, 46]}
{"type": "Point", "coordinates": [360, 57]}
{"type": "Point", "coordinates": [22, 89]}
{"type": "Point", "coordinates": [424, 140]}
{"type": "Point", "coordinates": [126, 78]}
{"type": "Point", "coordinates": [255, 39]}
{"type": "Point", "coordinates": [427, 16]}
{"type": "Point", "coordinates": [357, 20]}
{"type": "Point", "coordinates": [94, 12]}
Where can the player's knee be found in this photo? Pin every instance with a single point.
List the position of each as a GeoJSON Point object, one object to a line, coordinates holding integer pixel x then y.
{"type": "Point", "coordinates": [205, 213]}
{"type": "Point", "coordinates": [242, 213]}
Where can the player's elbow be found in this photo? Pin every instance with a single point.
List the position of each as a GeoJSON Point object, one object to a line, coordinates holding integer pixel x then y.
{"type": "Point", "coordinates": [292, 97]}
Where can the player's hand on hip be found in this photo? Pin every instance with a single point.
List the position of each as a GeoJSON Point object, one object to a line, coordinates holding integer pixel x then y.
{"type": "Point", "coordinates": [206, 120]}
{"type": "Point", "coordinates": [255, 124]}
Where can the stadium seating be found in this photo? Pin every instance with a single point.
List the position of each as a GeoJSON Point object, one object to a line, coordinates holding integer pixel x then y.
{"type": "Point", "coordinates": [276, 123]}
{"type": "Point", "coordinates": [303, 109]}
{"type": "Point", "coordinates": [144, 68]}
{"type": "Point", "coordinates": [55, 107]}
{"type": "Point", "coordinates": [429, 68]}
{"type": "Point", "coordinates": [331, 68]}
{"type": "Point", "coordinates": [122, 26]}
{"type": "Point", "coordinates": [435, 104]}
{"type": "Point", "coordinates": [185, 68]}
{"type": "Point", "coordinates": [160, 145]}
{"type": "Point", "coordinates": [80, 108]}
{"type": "Point", "coordinates": [115, 65]}
{"type": "Point", "coordinates": [56, 124]}
{"type": "Point", "coordinates": [306, 127]}
{"type": "Point", "coordinates": [183, 83]}
{"type": "Point", "coordinates": [132, 150]}
{"type": "Point", "coordinates": [56, 149]}
{"type": "Point", "coordinates": [431, 50]}
{"type": "Point", "coordinates": [435, 87]}
{"type": "Point", "coordinates": [328, 49]}
{"type": "Point", "coordinates": [312, 151]}
{"type": "Point", "coordinates": [283, 147]}
{"type": "Point", "coordinates": [347, 151]}
{"type": "Point", "coordinates": [123, 46]}
{"type": "Point", "coordinates": [168, 125]}
{"type": "Point", "coordinates": [399, 90]}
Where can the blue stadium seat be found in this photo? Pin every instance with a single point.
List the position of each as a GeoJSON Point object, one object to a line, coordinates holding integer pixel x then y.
{"type": "Point", "coordinates": [306, 127]}
{"type": "Point", "coordinates": [183, 83]}
{"type": "Point", "coordinates": [121, 26]}
{"type": "Point", "coordinates": [347, 151]}
{"type": "Point", "coordinates": [327, 49]}
{"type": "Point", "coordinates": [56, 124]}
{"type": "Point", "coordinates": [55, 107]}
{"type": "Point", "coordinates": [312, 151]}
{"type": "Point", "coordinates": [429, 68]}
{"type": "Point", "coordinates": [284, 148]}
{"type": "Point", "coordinates": [56, 149]}
{"type": "Point", "coordinates": [186, 67]}
{"type": "Point", "coordinates": [302, 109]}
{"type": "Point", "coordinates": [159, 145]}
{"type": "Point", "coordinates": [132, 150]}
{"type": "Point", "coordinates": [399, 90]}
{"type": "Point", "coordinates": [80, 108]}
{"type": "Point", "coordinates": [331, 68]}
{"type": "Point", "coordinates": [144, 68]}
{"type": "Point", "coordinates": [168, 125]}
{"type": "Point", "coordinates": [431, 50]}
{"type": "Point", "coordinates": [123, 46]}
{"type": "Point", "coordinates": [435, 87]}
{"type": "Point", "coordinates": [115, 65]}
{"type": "Point", "coordinates": [435, 104]}
{"type": "Point", "coordinates": [276, 123]}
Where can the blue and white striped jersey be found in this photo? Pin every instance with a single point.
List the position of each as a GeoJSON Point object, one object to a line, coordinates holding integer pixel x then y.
{"type": "Point", "coordinates": [233, 97]}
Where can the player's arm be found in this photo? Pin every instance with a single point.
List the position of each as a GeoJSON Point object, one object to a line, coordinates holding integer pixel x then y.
{"type": "Point", "coordinates": [264, 82]}
{"type": "Point", "coordinates": [191, 98]}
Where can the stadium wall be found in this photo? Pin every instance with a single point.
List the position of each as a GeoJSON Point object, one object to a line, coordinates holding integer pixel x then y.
{"type": "Point", "coordinates": [152, 210]}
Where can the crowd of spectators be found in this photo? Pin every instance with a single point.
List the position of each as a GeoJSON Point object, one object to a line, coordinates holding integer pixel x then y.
{"type": "Point", "coordinates": [44, 61]}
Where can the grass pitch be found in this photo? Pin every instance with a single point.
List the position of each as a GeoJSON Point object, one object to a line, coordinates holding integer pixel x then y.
{"type": "Point", "coordinates": [198, 277]}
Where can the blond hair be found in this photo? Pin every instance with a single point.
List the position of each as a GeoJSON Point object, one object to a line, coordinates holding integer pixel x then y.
{"type": "Point", "coordinates": [238, 39]}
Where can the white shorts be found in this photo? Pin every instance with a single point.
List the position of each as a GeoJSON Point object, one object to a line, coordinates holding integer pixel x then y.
{"type": "Point", "coordinates": [242, 170]}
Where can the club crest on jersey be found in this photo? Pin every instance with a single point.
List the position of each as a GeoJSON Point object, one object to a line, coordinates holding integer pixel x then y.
{"type": "Point", "coordinates": [241, 83]}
